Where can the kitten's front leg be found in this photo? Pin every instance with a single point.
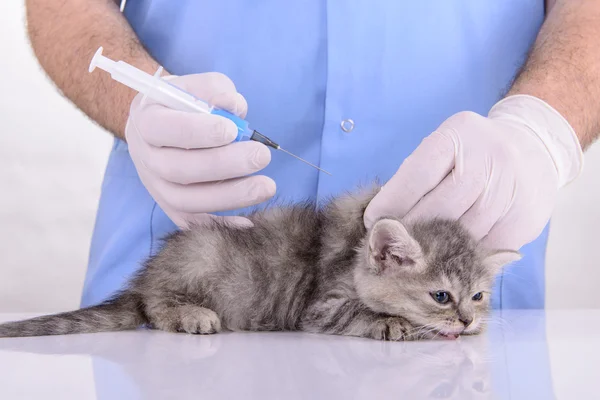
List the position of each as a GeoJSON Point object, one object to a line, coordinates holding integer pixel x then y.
{"type": "Point", "coordinates": [380, 327]}
{"type": "Point", "coordinates": [392, 328]}
{"type": "Point", "coordinates": [348, 317]}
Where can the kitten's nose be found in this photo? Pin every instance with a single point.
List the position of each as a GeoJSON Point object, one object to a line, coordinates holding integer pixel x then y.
{"type": "Point", "coordinates": [466, 321]}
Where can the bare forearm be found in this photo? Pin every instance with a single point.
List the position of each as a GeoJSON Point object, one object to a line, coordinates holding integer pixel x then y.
{"type": "Point", "coordinates": [66, 33]}
{"type": "Point", "coordinates": [564, 67]}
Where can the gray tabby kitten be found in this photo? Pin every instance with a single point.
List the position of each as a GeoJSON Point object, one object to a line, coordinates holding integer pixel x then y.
{"type": "Point", "coordinates": [307, 269]}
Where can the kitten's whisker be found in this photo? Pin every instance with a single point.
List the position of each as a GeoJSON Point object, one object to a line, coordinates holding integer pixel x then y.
{"type": "Point", "coordinates": [423, 327]}
{"type": "Point", "coordinates": [422, 331]}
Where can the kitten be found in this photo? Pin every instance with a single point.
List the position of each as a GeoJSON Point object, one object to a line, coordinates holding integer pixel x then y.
{"type": "Point", "coordinates": [305, 269]}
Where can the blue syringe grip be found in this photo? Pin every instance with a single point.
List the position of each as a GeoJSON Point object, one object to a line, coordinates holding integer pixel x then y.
{"type": "Point", "coordinates": [244, 132]}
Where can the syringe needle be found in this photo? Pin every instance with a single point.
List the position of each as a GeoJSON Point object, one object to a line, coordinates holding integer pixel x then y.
{"type": "Point", "coordinates": [173, 97]}
{"type": "Point", "coordinates": [303, 160]}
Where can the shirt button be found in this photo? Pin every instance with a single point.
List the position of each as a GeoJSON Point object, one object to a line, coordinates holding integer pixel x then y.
{"type": "Point", "coordinates": [347, 125]}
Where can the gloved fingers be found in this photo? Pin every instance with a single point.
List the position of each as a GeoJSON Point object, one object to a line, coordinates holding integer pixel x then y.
{"type": "Point", "coordinates": [206, 165]}
{"type": "Point", "coordinates": [234, 221]}
{"type": "Point", "coordinates": [513, 231]}
{"type": "Point", "coordinates": [215, 196]}
{"type": "Point", "coordinates": [452, 197]}
{"type": "Point", "coordinates": [216, 89]}
{"type": "Point", "coordinates": [491, 206]}
{"type": "Point", "coordinates": [160, 126]}
{"type": "Point", "coordinates": [205, 85]}
{"type": "Point", "coordinates": [528, 214]}
{"type": "Point", "coordinates": [235, 103]}
{"type": "Point", "coordinates": [186, 221]}
{"type": "Point", "coordinates": [504, 236]}
{"type": "Point", "coordinates": [420, 172]}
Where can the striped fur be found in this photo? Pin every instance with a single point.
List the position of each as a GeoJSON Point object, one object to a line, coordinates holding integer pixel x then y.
{"type": "Point", "coordinates": [299, 268]}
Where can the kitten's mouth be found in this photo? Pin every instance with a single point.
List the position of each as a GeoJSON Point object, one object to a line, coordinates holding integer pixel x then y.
{"type": "Point", "coordinates": [448, 336]}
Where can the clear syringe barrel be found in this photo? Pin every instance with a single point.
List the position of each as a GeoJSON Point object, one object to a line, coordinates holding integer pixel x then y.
{"type": "Point", "coordinates": [161, 91]}
{"type": "Point", "coordinates": [153, 87]}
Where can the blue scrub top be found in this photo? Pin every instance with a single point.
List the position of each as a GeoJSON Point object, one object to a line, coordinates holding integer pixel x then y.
{"type": "Point", "coordinates": [396, 68]}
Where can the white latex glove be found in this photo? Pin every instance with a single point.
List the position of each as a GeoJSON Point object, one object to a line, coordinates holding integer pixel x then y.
{"type": "Point", "coordinates": [188, 162]}
{"type": "Point", "coordinates": [498, 175]}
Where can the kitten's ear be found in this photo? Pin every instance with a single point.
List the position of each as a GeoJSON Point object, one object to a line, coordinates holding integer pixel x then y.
{"type": "Point", "coordinates": [497, 259]}
{"type": "Point", "coordinates": [392, 248]}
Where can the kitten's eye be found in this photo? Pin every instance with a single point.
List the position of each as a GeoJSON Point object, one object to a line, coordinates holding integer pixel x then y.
{"type": "Point", "coordinates": [477, 296]}
{"type": "Point", "coordinates": [441, 297]}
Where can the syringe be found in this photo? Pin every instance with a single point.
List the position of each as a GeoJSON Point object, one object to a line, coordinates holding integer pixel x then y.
{"type": "Point", "coordinates": [163, 92]}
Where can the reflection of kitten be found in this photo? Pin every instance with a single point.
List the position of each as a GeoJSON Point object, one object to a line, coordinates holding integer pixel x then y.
{"type": "Point", "coordinates": [300, 268]}
{"type": "Point", "coordinates": [272, 366]}
{"type": "Point", "coordinates": [460, 369]}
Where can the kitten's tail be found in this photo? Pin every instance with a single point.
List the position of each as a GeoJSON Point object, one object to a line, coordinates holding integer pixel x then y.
{"type": "Point", "coordinates": [123, 312]}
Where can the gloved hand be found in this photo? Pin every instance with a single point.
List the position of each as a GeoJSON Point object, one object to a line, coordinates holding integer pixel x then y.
{"type": "Point", "coordinates": [187, 161]}
{"type": "Point", "coordinates": [498, 175]}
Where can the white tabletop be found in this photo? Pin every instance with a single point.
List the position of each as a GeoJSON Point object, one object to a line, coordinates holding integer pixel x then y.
{"type": "Point", "coordinates": [524, 355]}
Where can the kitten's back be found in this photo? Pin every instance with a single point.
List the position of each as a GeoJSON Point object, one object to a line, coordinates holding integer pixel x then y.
{"type": "Point", "coordinates": [254, 278]}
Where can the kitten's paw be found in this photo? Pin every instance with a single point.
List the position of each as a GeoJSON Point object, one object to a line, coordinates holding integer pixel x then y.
{"type": "Point", "coordinates": [193, 319]}
{"type": "Point", "coordinates": [185, 318]}
{"type": "Point", "coordinates": [391, 328]}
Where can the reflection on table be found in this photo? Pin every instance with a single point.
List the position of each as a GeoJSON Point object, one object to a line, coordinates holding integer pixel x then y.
{"type": "Point", "coordinates": [510, 361]}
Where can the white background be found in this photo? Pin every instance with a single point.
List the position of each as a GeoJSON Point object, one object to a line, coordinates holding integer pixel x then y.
{"type": "Point", "coordinates": [51, 165]}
